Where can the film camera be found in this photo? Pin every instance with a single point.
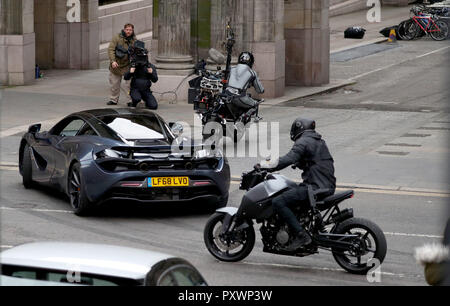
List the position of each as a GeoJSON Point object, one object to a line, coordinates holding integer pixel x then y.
{"type": "Point", "coordinates": [138, 55]}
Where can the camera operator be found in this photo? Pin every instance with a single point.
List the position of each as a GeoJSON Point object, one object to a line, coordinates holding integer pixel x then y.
{"type": "Point", "coordinates": [120, 63]}
{"type": "Point", "coordinates": [142, 73]}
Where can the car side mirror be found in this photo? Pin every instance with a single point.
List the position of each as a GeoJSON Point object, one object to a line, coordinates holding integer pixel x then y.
{"type": "Point", "coordinates": [33, 129]}
{"type": "Point", "coordinates": [176, 128]}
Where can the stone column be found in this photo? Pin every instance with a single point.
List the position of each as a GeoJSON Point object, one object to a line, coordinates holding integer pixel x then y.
{"type": "Point", "coordinates": [17, 42]}
{"type": "Point", "coordinates": [76, 38]}
{"type": "Point", "coordinates": [155, 23]}
{"type": "Point", "coordinates": [268, 45]}
{"type": "Point", "coordinates": [44, 10]}
{"type": "Point", "coordinates": [174, 32]}
{"type": "Point", "coordinates": [307, 34]}
{"type": "Point", "coordinates": [223, 11]}
{"type": "Point", "coordinates": [200, 28]}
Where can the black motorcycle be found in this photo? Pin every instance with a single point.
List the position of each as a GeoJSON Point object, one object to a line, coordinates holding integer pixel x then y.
{"type": "Point", "coordinates": [220, 117]}
{"type": "Point", "coordinates": [354, 242]}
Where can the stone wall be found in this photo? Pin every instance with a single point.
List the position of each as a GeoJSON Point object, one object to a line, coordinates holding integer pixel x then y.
{"type": "Point", "coordinates": [307, 34]}
{"type": "Point", "coordinates": [17, 59]}
{"type": "Point", "coordinates": [268, 45]}
{"type": "Point", "coordinates": [113, 17]}
{"type": "Point", "coordinates": [76, 43]}
{"type": "Point", "coordinates": [17, 42]}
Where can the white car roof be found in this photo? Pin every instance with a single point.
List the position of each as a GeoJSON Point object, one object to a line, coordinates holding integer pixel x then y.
{"type": "Point", "coordinates": [99, 259]}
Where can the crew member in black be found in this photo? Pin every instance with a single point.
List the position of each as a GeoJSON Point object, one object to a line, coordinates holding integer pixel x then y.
{"type": "Point", "coordinates": [142, 74]}
{"type": "Point", "coordinates": [309, 153]}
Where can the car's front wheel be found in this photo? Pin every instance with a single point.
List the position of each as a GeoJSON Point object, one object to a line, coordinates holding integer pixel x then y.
{"type": "Point", "coordinates": [78, 199]}
{"type": "Point", "coordinates": [27, 170]}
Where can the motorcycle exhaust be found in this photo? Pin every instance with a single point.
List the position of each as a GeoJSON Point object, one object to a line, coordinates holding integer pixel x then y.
{"type": "Point", "coordinates": [343, 215]}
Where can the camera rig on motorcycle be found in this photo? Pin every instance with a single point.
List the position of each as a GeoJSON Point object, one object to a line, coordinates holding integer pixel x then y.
{"type": "Point", "coordinates": [212, 102]}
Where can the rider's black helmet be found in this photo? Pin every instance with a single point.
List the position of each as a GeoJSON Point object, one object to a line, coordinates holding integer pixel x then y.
{"type": "Point", "coordinates": [247, 58]}
{"type": "Point", "coordinates": [300, 125]}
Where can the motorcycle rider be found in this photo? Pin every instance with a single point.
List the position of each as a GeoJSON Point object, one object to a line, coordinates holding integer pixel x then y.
{"type": "Point", "coordinates": [309, 153]}
{"type": "Point", "coordinates": [241, 78]}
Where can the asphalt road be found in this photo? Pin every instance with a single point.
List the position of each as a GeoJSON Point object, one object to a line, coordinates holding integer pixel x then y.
{"type": "Point", "coordinates": [393, 150]}
{"type": "Point", "coordinates": [408, 222]}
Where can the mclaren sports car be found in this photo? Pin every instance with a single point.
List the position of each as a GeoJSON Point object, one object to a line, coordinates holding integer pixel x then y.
{"type": "Point", "coordinates": [121, 154]}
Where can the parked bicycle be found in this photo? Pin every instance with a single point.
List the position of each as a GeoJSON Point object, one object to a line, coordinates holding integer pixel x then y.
{"type": "Point", "coordinates": [425, 21]}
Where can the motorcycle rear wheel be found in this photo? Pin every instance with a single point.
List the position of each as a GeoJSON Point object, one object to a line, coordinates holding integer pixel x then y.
{"type": "Point", "coordinates": [227, 251]}
{"type": "Point", "coordinates": [372, 240]}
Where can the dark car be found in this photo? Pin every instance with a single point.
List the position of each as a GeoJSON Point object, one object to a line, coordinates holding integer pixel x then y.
{"type": "Point", "coordinates": [121, 154]}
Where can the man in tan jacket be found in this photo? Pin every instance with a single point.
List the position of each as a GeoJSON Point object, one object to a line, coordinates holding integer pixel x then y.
{"type": "Point", "coordinates": [120, 62]}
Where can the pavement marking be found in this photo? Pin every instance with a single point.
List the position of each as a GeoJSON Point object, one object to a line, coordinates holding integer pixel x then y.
{"type": "Point", "coordinates": [399, 63]}
{"type": "Point", "coordinates": [432, 52]}
{"type": "Point", "coordinates": [9, 168]}
{"type": "Point", "coordinates": [414, 235]}
{"type": "Point", "coordinates": [6, 246]}
{"type": "Point", "coordinates": [403, 145]}
{"type": "Point", "coordinates": [11, 164]}
{"type": "Point", "coordinates": [393, 153]}
{"type": "Point", "coordinates": [24, 128]}
{"type": "Point", "coordinates": [37, 209]}
{"type": "Point", "coordinates": [302, 267]}
{"type": "Point", "coordinates": [415, 135]}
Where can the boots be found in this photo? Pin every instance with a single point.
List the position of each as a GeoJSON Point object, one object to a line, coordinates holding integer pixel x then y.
{"type": "Point", "coordinates": [302, 239]}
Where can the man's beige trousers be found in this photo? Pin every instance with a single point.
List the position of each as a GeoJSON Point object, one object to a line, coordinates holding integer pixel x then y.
{"type": "Point", "coordinates": [115, 81]}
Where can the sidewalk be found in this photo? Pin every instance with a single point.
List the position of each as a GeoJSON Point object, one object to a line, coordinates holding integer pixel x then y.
{"type": "Point", "coordinates": [390, 16]}
{"type": "Point", "coordinates": [90, 88]}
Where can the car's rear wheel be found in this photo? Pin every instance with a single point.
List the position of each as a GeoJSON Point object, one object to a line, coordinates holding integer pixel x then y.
{"type": "Point", "coordinates": [77, 194]}
{"type": "Point", "coordinates": [27, 170]}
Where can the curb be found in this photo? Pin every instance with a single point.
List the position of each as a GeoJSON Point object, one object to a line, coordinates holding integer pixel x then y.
{"type": "Point", "coordinates": [311, 91]}
{"type": "Point", "coordinates": [362, 44]}
{"type": "Point", "coordinates": [399, 189]}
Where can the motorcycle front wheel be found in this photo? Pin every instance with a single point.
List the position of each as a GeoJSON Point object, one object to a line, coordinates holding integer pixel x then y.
{"type": "Point", "coordinates": [230, 247]}
{"type": "Point", "coordinates": [367, 250]}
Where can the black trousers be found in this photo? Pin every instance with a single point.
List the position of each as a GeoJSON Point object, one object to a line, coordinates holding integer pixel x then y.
{"type": "Point", "coordinates": [146, 95]}
{"type": "Point", "coordinates": [292, 198]}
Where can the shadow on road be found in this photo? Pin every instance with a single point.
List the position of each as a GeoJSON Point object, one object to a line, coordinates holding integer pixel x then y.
{"type": "Point", "coordinates": [133, 209]}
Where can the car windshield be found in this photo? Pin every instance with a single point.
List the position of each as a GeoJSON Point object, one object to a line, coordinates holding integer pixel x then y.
{"type": "Point", "coordinates": [136, 127]}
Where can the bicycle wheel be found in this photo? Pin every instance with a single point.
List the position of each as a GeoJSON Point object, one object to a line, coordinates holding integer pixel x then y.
{"type": "Point", "coordinates": [439, 30]}
{"type": "Point", "coordinates": [408, 30]}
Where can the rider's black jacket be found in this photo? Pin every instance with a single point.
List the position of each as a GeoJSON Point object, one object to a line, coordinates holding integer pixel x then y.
{"type": "Point", "coordinates": [310, 153]}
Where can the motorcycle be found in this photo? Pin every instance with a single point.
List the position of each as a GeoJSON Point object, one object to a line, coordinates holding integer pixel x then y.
{"type": "Point", "coordinates": [213, 104]}
{"type": "Point", "coordinates": [229, 233]}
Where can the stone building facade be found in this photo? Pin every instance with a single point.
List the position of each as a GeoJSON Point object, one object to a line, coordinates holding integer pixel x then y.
{"type": "Point", "coordinates": [289, 38]}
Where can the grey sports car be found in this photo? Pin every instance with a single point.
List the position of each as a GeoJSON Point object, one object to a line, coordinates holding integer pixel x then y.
{"type": "Point", "coordinates": [117, 154]}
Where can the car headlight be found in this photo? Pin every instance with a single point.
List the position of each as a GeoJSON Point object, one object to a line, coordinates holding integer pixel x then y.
{"type": "Point", "coordinates": [110, 153]}
{"type": "Point", "coordinates": [207, 153]}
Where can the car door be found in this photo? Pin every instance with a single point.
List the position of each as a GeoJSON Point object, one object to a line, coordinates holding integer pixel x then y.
{"type": "Point", "coordinates": [62, 145]}
{"type": "Point", "coordinates": [42, 158]}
